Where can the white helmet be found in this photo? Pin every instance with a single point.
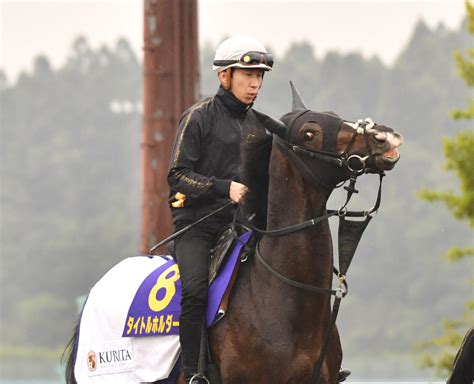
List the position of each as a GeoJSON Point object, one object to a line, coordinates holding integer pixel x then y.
{"type": "Point", "coordinates": [243, 52]}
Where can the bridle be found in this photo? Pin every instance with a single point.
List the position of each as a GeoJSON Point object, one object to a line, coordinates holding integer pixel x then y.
{"type": "Point", "coordinates": [353, 163]}
{"type": "Point", "coordinates": [340, 160]}
{"type": "Point", "coordinates": [350, 231]}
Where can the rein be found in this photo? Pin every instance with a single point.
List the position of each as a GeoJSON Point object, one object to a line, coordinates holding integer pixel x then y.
{"type": "Point", "coordinates": [344, 257]}
{"type": "Point", "coordinates": [335, 292]}
{"type": "Point", "coordinates": [341, 212]}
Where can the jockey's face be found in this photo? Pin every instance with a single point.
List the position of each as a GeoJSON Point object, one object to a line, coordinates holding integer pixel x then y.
{"type": "Point", "coordinates": [245, 84]}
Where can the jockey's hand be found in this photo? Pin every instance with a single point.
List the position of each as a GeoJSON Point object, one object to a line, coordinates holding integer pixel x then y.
{"type": "Point", "coordinates": [237, 191]}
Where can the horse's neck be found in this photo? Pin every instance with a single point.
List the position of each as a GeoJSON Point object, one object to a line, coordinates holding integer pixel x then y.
{"type": "Point", "coordinates": [306, 255]}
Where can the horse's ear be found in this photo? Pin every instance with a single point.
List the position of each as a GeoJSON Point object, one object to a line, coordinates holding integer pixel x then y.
{"type": "Point", "coordinates": [297, 100]}
{"type": "Point", "coordinates": [275, 126]}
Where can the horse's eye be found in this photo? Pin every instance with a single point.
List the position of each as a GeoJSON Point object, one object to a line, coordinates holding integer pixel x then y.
{"type": "Point", "coordinates": [308, 135]}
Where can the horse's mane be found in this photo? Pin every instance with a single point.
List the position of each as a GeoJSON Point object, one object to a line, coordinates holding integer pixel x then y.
{"type": "Point", "coordinates": [255, 157]}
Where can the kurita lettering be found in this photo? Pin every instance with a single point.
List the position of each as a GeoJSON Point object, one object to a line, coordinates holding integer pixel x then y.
{"type": "Point", "coordinates": [114, 356]}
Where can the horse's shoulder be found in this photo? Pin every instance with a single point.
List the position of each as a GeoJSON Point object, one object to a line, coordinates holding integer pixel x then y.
{"type": "Point", "coordinates": [255, 158]}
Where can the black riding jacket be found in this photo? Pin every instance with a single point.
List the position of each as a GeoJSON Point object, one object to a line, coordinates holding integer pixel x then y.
{"type": "Point", "coordinates": [206, 155]}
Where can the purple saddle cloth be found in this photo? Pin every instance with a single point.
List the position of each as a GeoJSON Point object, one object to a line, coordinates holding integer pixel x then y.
{"type": "Point", "coordinates": [155, 309]}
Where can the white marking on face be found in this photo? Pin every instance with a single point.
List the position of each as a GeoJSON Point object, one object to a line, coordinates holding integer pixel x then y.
{"type": "Point", "coordinates": [394, 140]}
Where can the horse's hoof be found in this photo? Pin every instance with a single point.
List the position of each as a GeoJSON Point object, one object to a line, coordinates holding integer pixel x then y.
{"type": "Point", "coordinates": [343, 375]}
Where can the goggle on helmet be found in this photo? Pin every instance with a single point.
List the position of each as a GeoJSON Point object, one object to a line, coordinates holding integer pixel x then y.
{"type": "Point", "coordinates": [242, 51]}
{"type": "Point", "coordinates": [248, 60]}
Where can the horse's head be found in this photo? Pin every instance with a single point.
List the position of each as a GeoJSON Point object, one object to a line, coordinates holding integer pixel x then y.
{"type": "Point", "coordinates": [332, 147]}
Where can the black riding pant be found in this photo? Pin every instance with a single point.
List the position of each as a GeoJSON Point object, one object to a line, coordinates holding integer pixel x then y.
{"type": "Point", "coordinates": [192, 253]}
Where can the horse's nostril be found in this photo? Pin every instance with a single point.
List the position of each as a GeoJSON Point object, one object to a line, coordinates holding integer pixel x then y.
{"type": "Point", "coordinates": [380, 137]}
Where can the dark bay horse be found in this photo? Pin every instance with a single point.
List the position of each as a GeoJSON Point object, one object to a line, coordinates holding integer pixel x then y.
{"type": "Point", "coordinates": [273, 332]}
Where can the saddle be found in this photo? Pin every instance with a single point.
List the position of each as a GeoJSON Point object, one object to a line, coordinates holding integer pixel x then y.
{"type": "Point", "coordinates": [222, 251]}
{"type": "Point", "coordinates": [224, 244]}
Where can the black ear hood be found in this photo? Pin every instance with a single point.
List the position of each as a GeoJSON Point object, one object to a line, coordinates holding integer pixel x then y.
{"type": "Point", "coordinates": [282, 127]}
{"type": "Point", "coordinates": [272, 125]}
{"type": "Point", "coordinates": [299, 115]}
{"type": "Point", "coordinates": [329, 123]}
{"type": "Point", "coordinates": [297, 100]}
{"type": "Point", "coordinates": [289, 119]}
{"type": "Point", "coordinates": [298, 108]}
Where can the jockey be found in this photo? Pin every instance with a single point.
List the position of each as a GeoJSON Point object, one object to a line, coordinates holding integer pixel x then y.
{"type": "Point", "coordinates": [204, 175]}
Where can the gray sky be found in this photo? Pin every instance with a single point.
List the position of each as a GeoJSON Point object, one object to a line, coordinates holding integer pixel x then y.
{"type": "Point", "coordinates": [380, 28]}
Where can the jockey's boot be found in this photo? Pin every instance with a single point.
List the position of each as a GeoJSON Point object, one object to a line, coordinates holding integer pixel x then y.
{"type": "Point", "coordinates": [343, 375]}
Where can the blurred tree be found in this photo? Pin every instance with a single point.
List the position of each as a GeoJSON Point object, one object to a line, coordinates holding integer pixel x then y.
{"type": "Point", "coordinates": [69, 197]}
{"type": "Point", "coordinates": [39, 317]}
{"type": "Point", "coordinates": [459, 153]}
